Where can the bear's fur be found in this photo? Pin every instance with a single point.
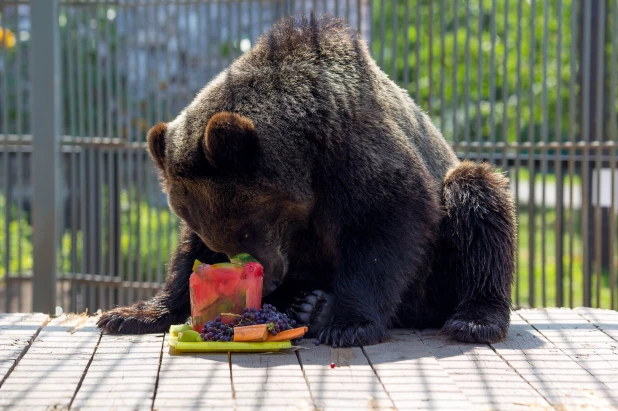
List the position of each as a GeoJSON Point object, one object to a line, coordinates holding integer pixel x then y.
{"type": "Point", "coordinates": [304, 154]}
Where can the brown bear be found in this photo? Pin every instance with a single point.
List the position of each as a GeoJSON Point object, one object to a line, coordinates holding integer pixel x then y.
{"type": "Point", "coordinates": [305, 155]}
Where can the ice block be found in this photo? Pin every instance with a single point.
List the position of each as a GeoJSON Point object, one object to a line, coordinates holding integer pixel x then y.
{"type": "Point", "coordinates": [224, 288]}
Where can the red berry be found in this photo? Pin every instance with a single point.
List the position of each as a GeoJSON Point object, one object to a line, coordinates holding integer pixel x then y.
{"type": "Point", "coordinates": [332, 365]}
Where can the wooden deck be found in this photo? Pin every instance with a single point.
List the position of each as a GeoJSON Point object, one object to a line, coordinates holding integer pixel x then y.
{"type": "Point", "coordinates": [552, 359]}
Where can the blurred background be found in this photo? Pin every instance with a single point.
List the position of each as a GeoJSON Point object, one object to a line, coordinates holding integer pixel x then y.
{"type": "Point", "coordinates": [527, 85]}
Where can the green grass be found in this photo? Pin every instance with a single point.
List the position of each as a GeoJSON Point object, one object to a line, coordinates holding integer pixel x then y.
{"type": "Point", "coordinates": [156, 228]}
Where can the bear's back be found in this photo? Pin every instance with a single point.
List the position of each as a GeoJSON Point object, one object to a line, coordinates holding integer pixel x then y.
{"type": "Point", "coordinates": [311, 83]}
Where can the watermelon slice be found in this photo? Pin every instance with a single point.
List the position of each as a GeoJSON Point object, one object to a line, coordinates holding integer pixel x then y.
{"type": "Point", "coordinates": [224, 288]}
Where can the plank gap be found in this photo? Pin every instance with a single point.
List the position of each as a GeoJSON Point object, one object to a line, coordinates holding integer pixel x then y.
{"type": "Point", "coordinates": [154, 395]}
{"type": "Point", "coordinates": [596, 326]}
{"type": "Point", "coordinates": [229, 364]}
{"type": "Point", "coordinates": [520, 375]}
{"type": "Point", "coordinates": [302, 368]}
{"type": "Point", "coordinates": [25, 350]}
{"type": "Point", "coordinates": [378, 377]}
{"type": "Point", "coordinates": [81, 380]}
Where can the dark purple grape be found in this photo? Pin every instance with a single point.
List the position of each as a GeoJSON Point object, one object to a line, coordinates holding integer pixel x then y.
{"type": "Point", "coordinates": [317, 342]}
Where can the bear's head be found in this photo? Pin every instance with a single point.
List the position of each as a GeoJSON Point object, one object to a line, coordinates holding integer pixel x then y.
{"type": "Point", "coordinates": [223, 188]}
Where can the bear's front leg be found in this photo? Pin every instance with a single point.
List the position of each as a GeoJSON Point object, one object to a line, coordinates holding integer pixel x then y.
{"type": "Point", "coordinates": [170, 306]}
{"type": "Point", "coordinates": [368, 285]}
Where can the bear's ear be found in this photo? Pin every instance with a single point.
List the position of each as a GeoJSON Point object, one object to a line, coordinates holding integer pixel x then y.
{"type": "Point", "coordinates": [156, 145]}
{"type": "Point", "coordinates": [230, 141]}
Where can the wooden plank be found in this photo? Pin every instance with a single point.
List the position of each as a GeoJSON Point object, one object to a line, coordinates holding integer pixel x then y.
{"type": "Point", "coordinates": [352, 384]}
{"type": "Point", "coordinates": [122, 374]}
{"type": "Point", "coordinates": [16, 333]}
{"type": "Point", "coordinates": [194, 381]}
{"type": "Point", "coordinates": [412, 376]}
{"type": "Point", "coordinates": [48, 375]}
{"type": "Point", "coordinates": [548, 369]}
{"type": "Point", "coordinates": [587, 345]}
{"type": "Point", "coordinates": [486, 380]}
{"type": "Point", "coordinates": [274, 381]}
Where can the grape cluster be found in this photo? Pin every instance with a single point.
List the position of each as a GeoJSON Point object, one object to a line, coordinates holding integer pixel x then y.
{"type": "Point", "coordinates": [268, 314]}
{"type": "Point", "coordinates": [217, 331]}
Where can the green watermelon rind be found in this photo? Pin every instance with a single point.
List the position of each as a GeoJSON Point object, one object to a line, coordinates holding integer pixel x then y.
{"type": "Point", "coordinates": [243, 259]}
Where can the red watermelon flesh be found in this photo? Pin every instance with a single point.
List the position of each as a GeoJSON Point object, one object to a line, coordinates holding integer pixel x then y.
{"type": "Point", "coordinates": [254, 277]}
{"type": "Point", "coordinates": [224, 288]}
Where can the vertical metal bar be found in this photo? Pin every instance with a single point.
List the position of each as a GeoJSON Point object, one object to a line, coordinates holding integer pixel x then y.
{"type": "Point", "coordinates": [149, 120]}
{"type": "Point", "coordinates": [81, 110]}
{"type": "Point", "coordinates": [261, 15]}
{"type": "Point", "coordinates": [600, 66]}
{"type": "Point", "coordinates": [614, 138]}
{"type": "Point", "coordinates": [455, 103]}
{"type": "Point", "coordinates": [479, 82]}
{"type": "Point", "coordinates": [72, 22]}
{"type": "Point", "coordinates": [492, 83]}
{"type": "Point", "coordinates": [406, 48]}
{"type": "Point", "coordinates": [230, 40]}
{"type": "Point", "coordinates": [45, 78]}
{"type": "Point", "coordinates": [359, 18]}
{"type": "Point", "coordinates": [382, 43]}
{"type": "Point", "coordinates": [108, 75]}
{"type": "Point", "coordinates": [90, 184]}
{"type": "Point", "coordinates": [130, 171]}
{"type": "Point", "coordinates": [505, 82]}
{"type": "Point", "coordinates": [159, 118]}
{"type": "Point", "coordinates": [394, 16]}
{"type": "Point", "coordinates": [99, 285]}
{"type": "Point", "coordinates": [517, 139]}
{"type": "Point", "coordinates": [168, 112]}
{"type": "Point", "coordinates": [208, 50]}
{"type": "Point", "coordinates": [558, 167]}
{"type": "Point", "coordinates": [100, 204]}
{"type": "Point", "coordinates": [430, 62]}
{"type": "Point", "coordinates": [138, 165]}
{"type": "Point", "coordinates": [417, 60]}
{"type": "Point", "coordinates": [467, 82]}
{"type": "Point", "coordinates": [111, 183]}
{"type": "Point", "coordinates": [544, 137]}
{"type": "Point", "coordinates": [111, 194]}
{"type": "Point", "coordinates": [64, 130]}
{"type": "Point", "coordinates": [6, 157]}
{"type": "Point", "coordinates": [442, 69]}
{"type": "Point", "coordinates": [531, 165]}
{"type": "Point", "coordinates": [585, 162]}
{"type": "Point", "coordinates": [572, 115]}
{"type": "Point", "coordinates": [20, 161]}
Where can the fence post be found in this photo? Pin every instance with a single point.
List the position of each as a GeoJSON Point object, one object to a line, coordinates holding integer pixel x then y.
{"type": "Point", "coordinates": [45, 75]}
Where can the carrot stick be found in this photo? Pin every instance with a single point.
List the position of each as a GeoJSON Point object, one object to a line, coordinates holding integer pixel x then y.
{"type": "Point", "coordinates": [251, 333]}
{"type": "Point", "coordinates": [292, 334]}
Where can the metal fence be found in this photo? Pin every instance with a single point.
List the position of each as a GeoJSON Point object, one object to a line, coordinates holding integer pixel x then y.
{"type": "Point", "coordinates": [527, 85]}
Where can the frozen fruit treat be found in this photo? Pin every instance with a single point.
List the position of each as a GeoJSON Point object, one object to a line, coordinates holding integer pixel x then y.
{"type": "Point", "coordinates": [225, 288]}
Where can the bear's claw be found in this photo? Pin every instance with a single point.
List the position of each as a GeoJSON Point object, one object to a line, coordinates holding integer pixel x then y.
{"type": "Point", "coordinates": [313, 311]}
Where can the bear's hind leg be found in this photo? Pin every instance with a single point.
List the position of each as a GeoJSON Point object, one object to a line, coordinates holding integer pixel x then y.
{"type": "Point", "coordinates": [480, 229]}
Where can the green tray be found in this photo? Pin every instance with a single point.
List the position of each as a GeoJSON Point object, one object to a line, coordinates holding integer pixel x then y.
{"type": "Point", "coordinates": [227, 346]}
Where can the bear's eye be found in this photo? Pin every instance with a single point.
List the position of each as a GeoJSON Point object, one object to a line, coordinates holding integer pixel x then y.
{"type": "Point", "coordinates": [246, 237]}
